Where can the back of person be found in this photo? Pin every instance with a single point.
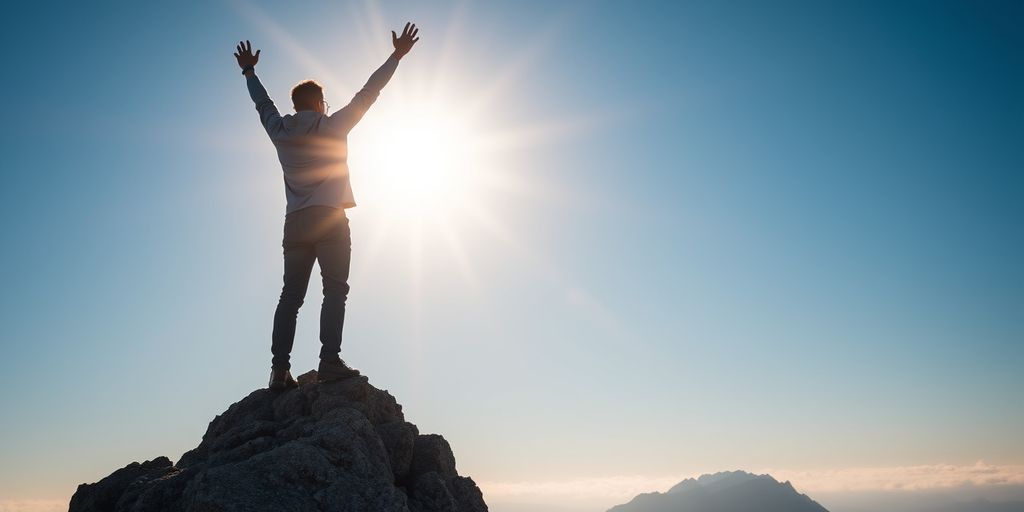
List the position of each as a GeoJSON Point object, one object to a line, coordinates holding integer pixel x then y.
{"type": "Point", "coordinates": [313, 151]}
{"type": "Point", "coordinates": [311, 145]}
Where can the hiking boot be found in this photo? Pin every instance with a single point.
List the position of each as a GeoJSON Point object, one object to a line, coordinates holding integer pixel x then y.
{"type": "Point", "coordinates": [334, 370]}
{"type": "Point", "coordinates": [281, 379]}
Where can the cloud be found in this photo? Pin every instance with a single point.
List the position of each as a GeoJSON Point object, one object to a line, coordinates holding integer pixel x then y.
{"type": "Point", "coordinates": [33, 505]}
{"type": "Point", "coordinates": [622, 488]}
{"type": "Point", "coordinates": [580, 488]}
{"type": "Point", "coordinates": [909, 478]}
{"type": "Point", "coordinates": [574, 494]}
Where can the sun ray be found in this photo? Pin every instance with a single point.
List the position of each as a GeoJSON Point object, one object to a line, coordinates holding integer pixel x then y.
{"type": "Point", "coordinates": [516, 67]}
{"type": "Point", "coordinates": [458, 252]}
{"type": "Point", "coordinates": [368, 27]}
{"type": "Point", "coordinates": [282, 38]}
{"type": "Point", "coordinates": [433, 154]}
{"type": "Point", "coordinates": [416, 267]}
{"type": "Point", "coordinates": [447, 51]}
{"type": "Point", "coordinates": [378, 233]}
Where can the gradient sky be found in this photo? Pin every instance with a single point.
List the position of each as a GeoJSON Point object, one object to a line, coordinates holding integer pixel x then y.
{"type": "Point", "coordinates": [735, 234]}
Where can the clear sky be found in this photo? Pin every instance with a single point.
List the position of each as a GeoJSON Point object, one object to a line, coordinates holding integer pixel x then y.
{"type": "Point", "coordinates": [597, 242]}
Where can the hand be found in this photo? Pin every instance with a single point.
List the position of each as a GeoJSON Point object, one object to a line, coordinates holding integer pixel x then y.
{"type": "Point", "coordinates": [404, 44]}
{"type": "Point", "coordinates": [245, 56]}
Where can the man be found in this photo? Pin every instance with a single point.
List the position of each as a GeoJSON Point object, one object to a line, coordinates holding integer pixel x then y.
{"type": "Point", "coordinates": [312, 148]}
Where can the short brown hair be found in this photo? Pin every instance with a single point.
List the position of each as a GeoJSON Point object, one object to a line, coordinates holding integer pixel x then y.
{"type": "Point", "coordinates": [306, 95]}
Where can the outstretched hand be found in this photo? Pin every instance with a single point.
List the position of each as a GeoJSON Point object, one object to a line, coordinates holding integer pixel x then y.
{"type": "Point", "coordinates": [245, 56]}
{"type": "Point", "coordinates": [404, 44]}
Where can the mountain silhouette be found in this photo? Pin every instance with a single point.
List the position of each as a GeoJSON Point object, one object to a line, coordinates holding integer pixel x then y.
{"type": "Point", "coordinates": [730, 491]}
{"type": "Point", "coordinates": [338, 446]}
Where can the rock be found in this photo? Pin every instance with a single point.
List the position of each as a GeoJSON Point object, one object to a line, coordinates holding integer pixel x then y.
{"type": "Point", "coordinates": [107, 493]}
{"type": "Point", "coordinates": [338, 446]}
{"type": "Point", "coordinates": [429, 492]}
{"type": "Point", "coordinates": [399, 439]}
{"type": "Point", "coordinates": [432, 453]}
{"type": "Point", "coordinates": [467, 494]}
{"type": "Point", "coordinates": [307, 378]}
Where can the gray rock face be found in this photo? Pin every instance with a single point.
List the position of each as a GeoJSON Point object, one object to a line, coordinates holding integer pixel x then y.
{"type": "Point", "coordinates": [339, 446]}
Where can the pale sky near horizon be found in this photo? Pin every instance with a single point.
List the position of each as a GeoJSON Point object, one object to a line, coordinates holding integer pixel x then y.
{"type": "Point", "coordinates": [662, 240]}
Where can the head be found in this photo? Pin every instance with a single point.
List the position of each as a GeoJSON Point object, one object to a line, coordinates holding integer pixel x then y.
{"type": "Point", "coordinates": [308, 95]}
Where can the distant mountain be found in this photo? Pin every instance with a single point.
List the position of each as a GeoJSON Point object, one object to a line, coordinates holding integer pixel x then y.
{"type": "Point", "coordinates": [730, 491]}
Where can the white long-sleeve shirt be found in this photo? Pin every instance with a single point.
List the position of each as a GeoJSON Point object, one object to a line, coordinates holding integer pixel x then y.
{"type": "Point", "coordinates": [313, 147]}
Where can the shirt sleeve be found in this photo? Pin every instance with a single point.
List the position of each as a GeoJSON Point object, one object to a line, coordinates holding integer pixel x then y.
{"type": "Point", "coordinates": [269, 115]}
{"type": "Point", "coordinates": [347, 117]}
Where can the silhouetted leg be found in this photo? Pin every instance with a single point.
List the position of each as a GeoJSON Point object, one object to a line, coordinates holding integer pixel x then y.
{"type": "Point", "coordinates": [298, 263]}
{"type": "Point", "coordinates": [334, 251]}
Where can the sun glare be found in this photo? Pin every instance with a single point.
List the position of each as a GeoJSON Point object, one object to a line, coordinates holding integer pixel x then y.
{"type": "Point", "coordinates": [437, 152]}
{"type": "Point", "coordinates": [419, 162]}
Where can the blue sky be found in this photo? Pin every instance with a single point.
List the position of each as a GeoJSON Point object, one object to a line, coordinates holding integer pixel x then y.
{"type": "Point", "coordinates": [736, 234]}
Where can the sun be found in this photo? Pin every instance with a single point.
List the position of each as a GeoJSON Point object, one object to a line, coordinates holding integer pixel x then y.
{"type": "Point", "coordinates": [439, 156]}
{"type": "Point", "coordinates": [419, 159]}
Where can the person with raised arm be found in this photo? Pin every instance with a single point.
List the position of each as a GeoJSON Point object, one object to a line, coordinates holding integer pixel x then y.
{"type": "Point", "coordinates": [311, 146]}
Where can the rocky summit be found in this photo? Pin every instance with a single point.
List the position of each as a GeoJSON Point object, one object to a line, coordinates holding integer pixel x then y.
{"type": "Point", "coordinates": [338, 446]}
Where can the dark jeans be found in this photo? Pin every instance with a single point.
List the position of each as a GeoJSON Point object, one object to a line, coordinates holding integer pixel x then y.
{"type": "Point", "coordinates": [310, 234]}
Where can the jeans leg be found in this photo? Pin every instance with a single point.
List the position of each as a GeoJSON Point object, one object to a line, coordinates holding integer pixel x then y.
{"type": "Point", "coordinates": [298, 263]}
{"type": "Point", "coordinates": [334, 252]}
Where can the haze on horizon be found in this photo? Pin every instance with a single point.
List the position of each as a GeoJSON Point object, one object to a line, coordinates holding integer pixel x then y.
{"type": "Point", "coordinates": [656, 241]}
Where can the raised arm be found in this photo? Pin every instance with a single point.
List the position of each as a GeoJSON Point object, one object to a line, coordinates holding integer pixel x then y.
{"type": "Point", "coordinates": [347, 117]}
{"type": "Point", "coordinates": [269, 115]}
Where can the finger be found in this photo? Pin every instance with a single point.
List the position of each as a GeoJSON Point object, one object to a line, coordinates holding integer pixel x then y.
{"type": "Point", "coordinates": [258, 53]}
{"type": "Point", "coordinates": [405, 31]}
{"type": "Point", "coordinates": [414, 40]}
{"type": "Point", "coordinates": [248, 45]}
{"type": "Point", "coordinates": [238, 48]}
{"type": "Point", "coordinates": [414, 32]}
{"type": "Point", "coordinates": [235, 54]}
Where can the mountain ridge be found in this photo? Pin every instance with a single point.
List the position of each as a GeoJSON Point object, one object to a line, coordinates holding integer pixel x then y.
{"type": "Point", "coordinates": [728, 491]}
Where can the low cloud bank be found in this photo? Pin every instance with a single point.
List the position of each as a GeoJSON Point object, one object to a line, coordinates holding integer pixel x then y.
{"type": "Point", "coordinates": [33, 506]}
{"type": "Point", "coordinates": [904, 478]}
{"type": "Point", "coordinates": [611, 490]}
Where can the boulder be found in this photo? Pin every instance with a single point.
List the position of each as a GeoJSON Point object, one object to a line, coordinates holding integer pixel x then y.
{"type": "Point", "coordinates": [338, 446]}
